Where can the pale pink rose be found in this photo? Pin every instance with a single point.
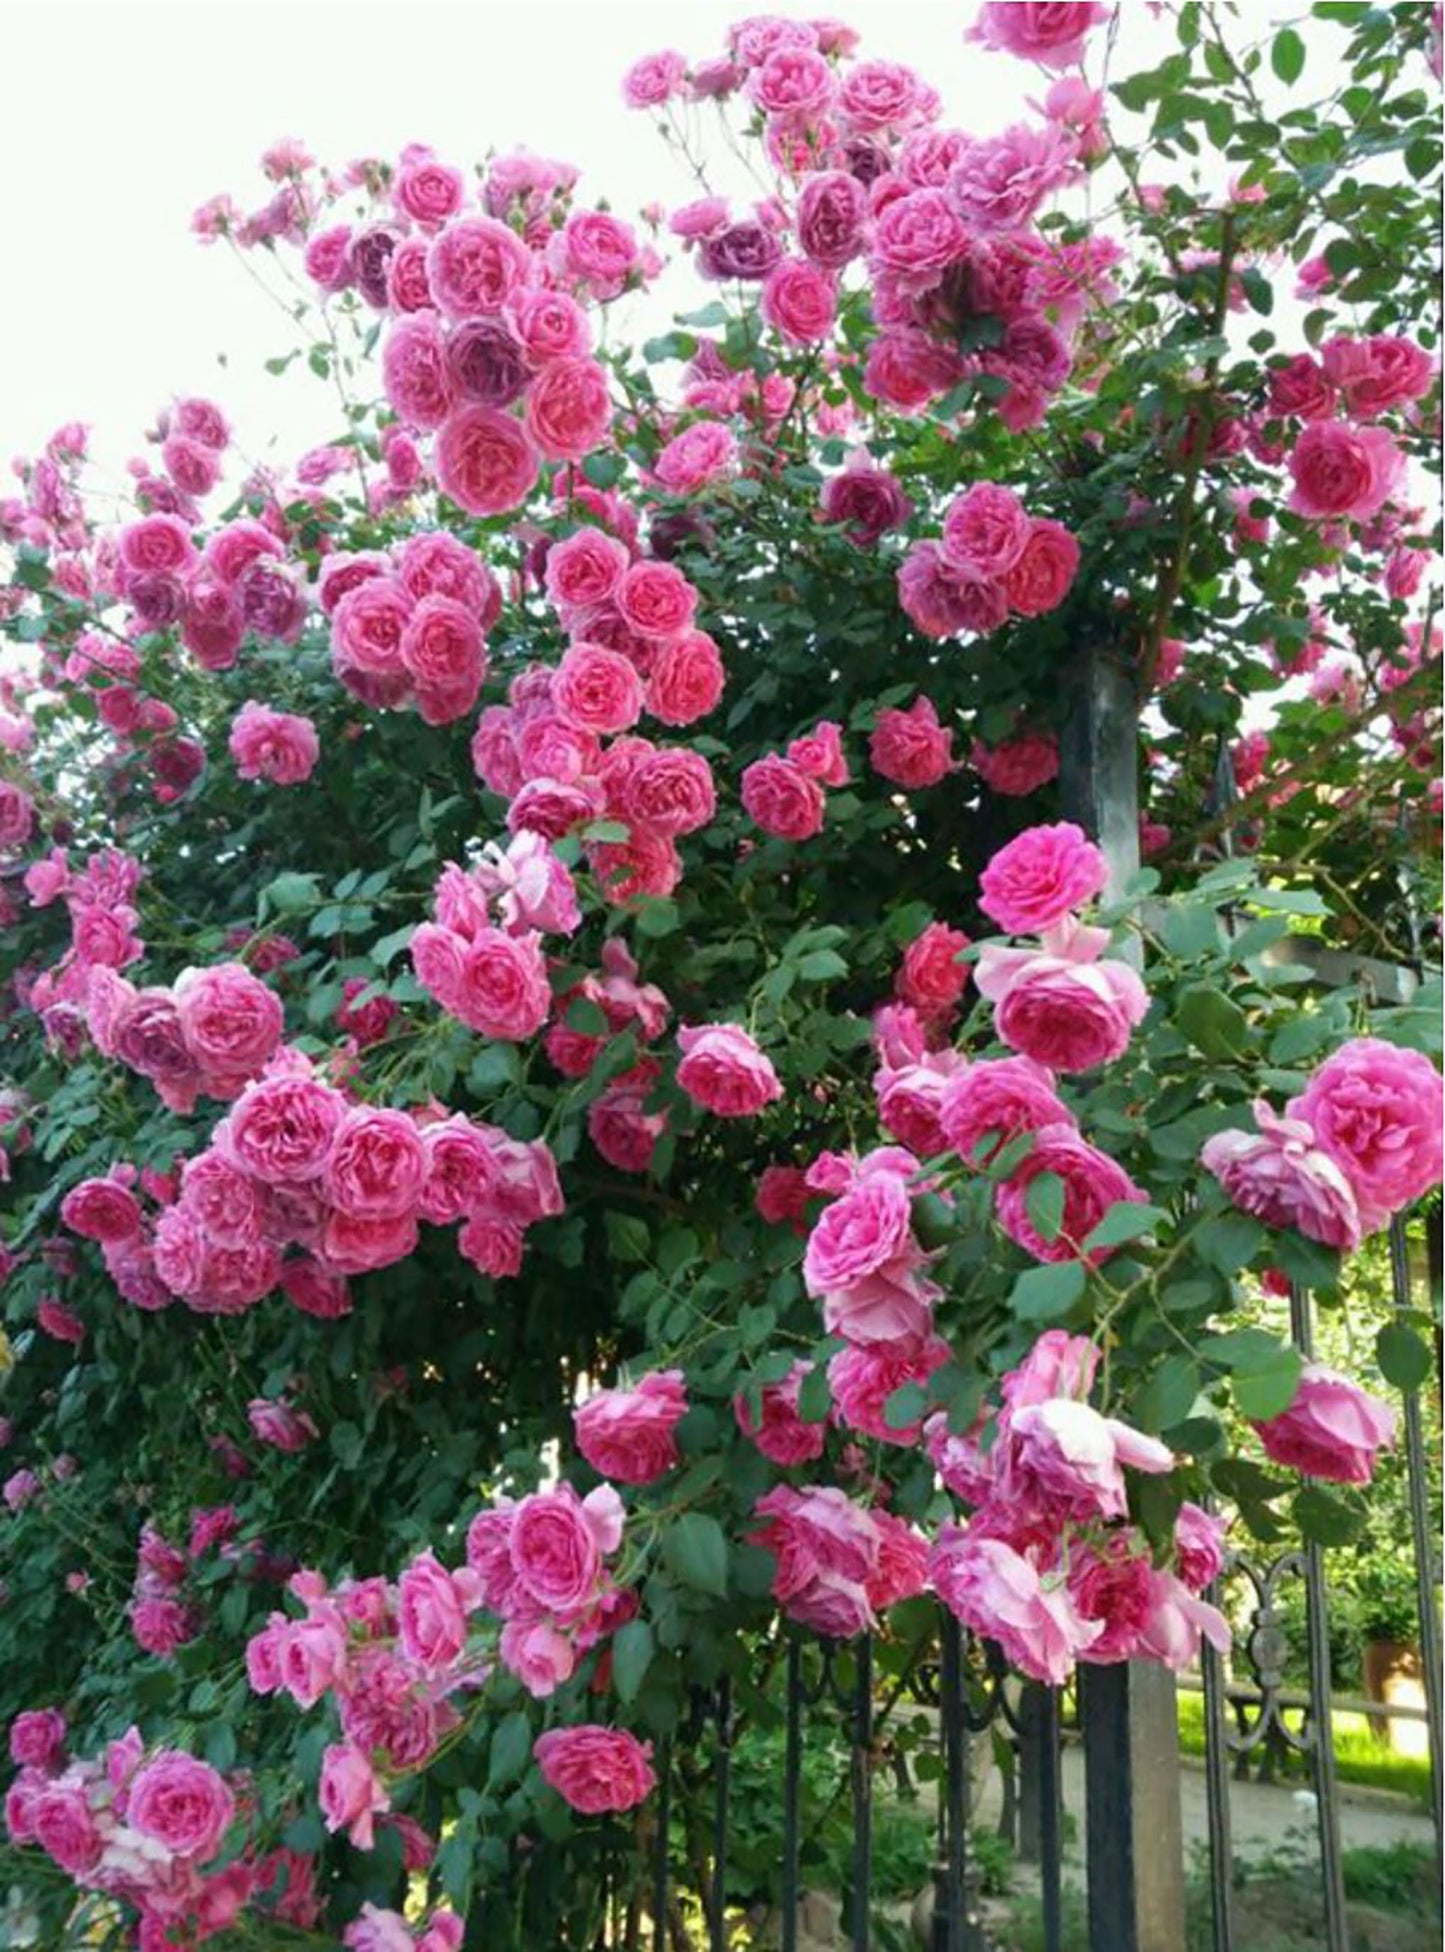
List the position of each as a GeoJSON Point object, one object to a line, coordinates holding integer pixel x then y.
{"type": "Point", "coordinates": [231, 1024]}
{"type": "Point", "coordinates": [432, 1608]}
{"type": "Point", "coordinates": [102, 1209]}
{"type": "Point", "coordinates": [309, 1657]}
{"type": "Point", "coordinates": [813, 1532]}
{"type": "Point", "coordinates": [540, 1657]}
{"type": "Point", "coordinates": [485, 460]}
{"type": "Point", "coordinates": [596, 1769]}
{"type": "Point", "coordinates": [584, 569]}
{"type": "Point", "coordinates": [778, 1430]}
{"type": "Point", "coordinates": [475, 265]}
{"type": "Point", "coordinates": [279, 1425]}
{"type": "Point", "coordinates": [1062, 1459]}
{"type": "Point", "coordinates": [987, 1105]}
{"type": "Point", "coordinates": [1093, 1182]}
{"type": "Point", "coordinates": [1281, 1175]}
{"type": "Point", "coordinates": [1001, 1594]}
{"type": "Point", "coordinates": [1343, 473]}
{"type": "Point", "coordinates": [598, 252]}
{"type": "Point", "coordinates": [1332, 1430]}
{"type": "Point", "coordinates": [1376, 373]}
{"type": "Point", "coordinates": [1198, 1546]}
{"type": "Point", "coordinates": [911, 748]}
{"type": "Point", "coordinates": [686, 679]}
{"type": "Point", "coordinates": [985, 532]}
{"type": "Point", "coordinates": [351, 1794]}
{"type": "Point", "coordinates": [281, 747]}
{"type": "Point", "coordinates": [461, 1171]}
{"type": "Point", "coordinates": [597, 690]}
{"type": "Point", "coordinates": [782, 798]}
{"type": "Point", "coordinates": [182, 1803]}
{"type": "Point", "coordinates": [862, 1380]}
{"type": "Point", "coordinates": [1050, 32]}
{"type": "Point", "coordinates": [281, 1129]}
{"type": "Point", "coordinates": [999, 182]}
{"type": "Point", "coordinates": [58, 1818]}
{"type": "Point", "coordinates": [1063, 1006]}
{"type": "Point", "coordinates": [376, 1930]}
{"type": "Point", "coordinates": [555, 1549]}
{"type": "Point", "coordinates": [504, 990]}
{"type": "Point", "coordinates": [37, 1738]}
{"type": "Point", "coordinates": [1041, 578]}
{"type": "Point", "coordinates": [1377, 1110]}
{"type": "Point", "coordinates": [653, 80]}
{"type": "Point", "coordinates": [1032, 883]}
{"type": "Point", "coordinates": [629, 1435]}
{"type": "Point", "coordinates": [879, 96]}
{"type": "Point", "coordinates": [723, 1070]}
{"type": "Point", "coordinates": [700, 455]}
{"type": "Point", "coordinates": [859, 1234]}
{"type": "Point", "coordinates": [1178, 1621]}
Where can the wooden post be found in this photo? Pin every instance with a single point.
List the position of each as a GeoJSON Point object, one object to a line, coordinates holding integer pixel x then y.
{"type": "Point", "coordinates": [1133, 1821]}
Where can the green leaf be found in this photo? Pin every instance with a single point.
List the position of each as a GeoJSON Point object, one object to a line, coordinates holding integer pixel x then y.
{"type": "Point", "coordinates": [511, 1749]}
{"type": "Point", "coordinates": [905, 1405]}
{"type": "Point", "coordinates": [628, 1238]}
{"type": "Point", "coordinates": [1228, 1242]}
{"type": "Point", "coordinates": [1168, 1396]}
{"type": "Point", "coordinates": [1403, 1356]}
{"type": "Point", "coordinates": [697, 1552]}
{"type": "Point", "coordinates": [657, 916]}
{"type": "Point", "coordinates": [1212, 1022]}
{"type": "Point", "coordinates": [822, 966]}
{"type": "Point", "coordinates": [1045, 1202]}
{"type": "Point", "coordinates": [291, 894]}
{"type": "Point", "coordinates": [1287, 55]}
{"type": "Point", "coordinates": [815, 1398]}
{"type": "Point", "coordinates": [1125, 1220]}
{"type": "Point", "coordinates": [632, 1649]}
{"type": "Point", "coordinates": [346, 1445]}
{"type": "Point", "coordinates": [1326, 1517]}
{"type": "Point", "coordinates": [1268, 1388]}
{"type": "Point", "coordinates": [1046, 1294]}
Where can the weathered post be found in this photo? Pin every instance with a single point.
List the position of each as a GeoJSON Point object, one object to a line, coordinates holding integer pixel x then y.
{"type": "Point", "coordinates": [1133, 1822]}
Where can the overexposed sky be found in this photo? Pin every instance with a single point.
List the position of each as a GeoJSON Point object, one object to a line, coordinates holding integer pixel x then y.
{"type": "Point", "coordinates": [121, 116]}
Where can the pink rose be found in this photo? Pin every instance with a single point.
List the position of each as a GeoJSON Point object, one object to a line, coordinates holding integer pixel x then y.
{"type": "Point", "coordinates": [670, 792]}
{"type": "Point", "coordinates": [1301, 388]}
{"type": "Point", "coordinates": [551, 326]}
{"type": "Point", "coordinates": [777, 1429]}
{"type": "Point", "coordinates": [1376, 373]}
{"type": "Point", "coordinates": [231, 1024]}
{"type": "Point", "coordinates": [435, 563]}
{"type": "Point", "coordinates": [723, 1070]}
{"type": "Point", "coordinates": [416, 374]}
{"type": "Point", "coordinates": [998, 183]}
{"type": "Point", "coordinates": [1050, 32]}
{"type": "Point", "coordinates": [700, 455]}
{"type": "Point", "coordinates": [653, 80]}
{"type": "Point", "coordinates": [442, 648]}
{"type": "Point", "coordinates": [782, 798]}
{"type": "Point", "coordinates": [908, 369]}
{"type": "Point", "coordinates": [279, 1425]}
{"type": "Point", "coordinates": [596, 1769]}
{"type": "Point", "coordinates": [315, 1290]}
{"type": "Point", "coordinates": [918, 236]}
{"type": "Point", "coordinates": [863, 1379]}
{"type": "Point", "coordinates": [1093, 1182]}
{"type": "Point", "coordinates": [597, 690]}
{"type": "Point", "coordinates": [59, 1321]}
{"type": "Point", "coordinates": [540, 1657]}
{"type": "Point", "coordinates": [377, 1164]}
{"type": "Point", "coordinates": [598, 252]}
{"type": "Point", "coordinates": [820, 754]}
{"type": "Point", "coordinates": [1343, 473]}
{"type": "Point", "coordinates": [475, 265]}
{"type": "Point", "coordinates": [656, 600]}
{"type": "Point", "coordinates": [1033, 882]}
{"type": "Point", "coordinates": [1283, 1177]}
{"type": "Point", "coordinates": [832, 212]}
{"type": "Point", "coordinates": [1063, 1006]}
{"type": "Point", "coordinates": [686, 679]}
{"type": "Point", "coordinates": [1376, 1110]}
{"type": "Point", "coordinates": [60, 1821]}
{"type": "Point", "coordinates": [987, 1105]}
{"type": "Point", "coordinates": [569, 408]}
{"type": "Point", "coordinates": [17, 817]}
{"type": "Point", "coordinates": [182, 1803]}
{"type": "Point", "coordinates": [629, 1434]}
{"type": "Point", "coordinates": [799, 301]}
{"type": "Point", "coordinates": [309, 1656]}
{"type": "Point", "coordinates": [351, 1794]}
{"type": "Point", "coordinates": [1063, 1460]}
{"type": "Point", "coordinates": [1000, 1593]}
{"type": "Point", "coordinates": [103, 1210]}
{"type": "Point", "coordinates": [1332, 1430]}
{"type": "Point", "coordinates": [932, 979]}
{"type": "Point", "coordinates": [866, 498]}
{"type": "Point", "coordinates": [556, 1542]}
{"type": "Point", "coordinates": [911, 748]}
{"type": "Point", "coordinates": [1041, 578]}
{"type": "Point", "coordinates": [282, 1129]}
{"type": "Point", "coordinates": [485, 460]}
{"type": "Point", "coordinates": [1019, 766]}
{"type": "Point", "coordinates": [1198, 1546]}
{"type": "Point", "coordinates": [432, 1608]}
{"type": "Point", "coordinates": [37, 1738]}
{"type": "Point", "coordinates": [985, 532]}
{"type": "Point", "coordinates": [859, 1234]}
{"type": "Point", "coordinates": [501, 982]}
{"type": "Point", "coordinates": [584, 569]}
{"type": "Point", "coordinates": [277, 746]}
{"type": "Point", "coordinates": [487, 363]}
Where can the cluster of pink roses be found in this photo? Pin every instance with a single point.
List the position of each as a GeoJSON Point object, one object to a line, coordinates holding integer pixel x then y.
{"type": "Point", "coordinates": [1047, 1563]}
{"type": "Point", "coordinates": [100, 901]}
{"type": "Point", "coordinates": [238, 583]}
{"type": "Point", "coordinates": [783, 792]}
{"type": "Point", "coordinates": [1345, 470]}
{"type": "Point", "coordinates": [1358, 1145]}
{"type": "Point", "coordinates": [206, 1035]}
{"type": "Point", "coordinates": [993, 561]}
{"type": "Point", "coordinates": [481, 957]}
{"type": "Point", "coordinates": [142, 1826]}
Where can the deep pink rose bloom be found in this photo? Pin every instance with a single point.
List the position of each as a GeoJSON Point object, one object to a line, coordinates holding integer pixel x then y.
{"type": "Point", "coordinates": [540, 1657]}
{"type": "Point", "coordinates": [377, 1164]}
{"type": "Point", "coordinates": [1032, 883]}
{"type": "Point", "coordinates": [1093, 1182]}
{"type": "Point", "coordinates": [1332, 1430]}
{"type": "Point", "coordinates": [1062, 1459]}
{"type": "Point", "coordinates": [1301, 388]}
{"type": "Point", "coordinates": [428, 191]}
{"type": "Point", "coordinates": [985, 532]}
{"type": "Point", "coordinates": [1063, 1006]}
{"type": "Point", "coordinates": [931, 978]}
{"type": "Point", "coordinates": [231, 1024]}
{"type": "Point", "coordinates": [310, 1658]}
{"type": "Point", "coordinates": [989, 1104]}
{"type": "Point", "coordinates": [597, 690]}
{"type": "Point", "coordinates": [37, 1738]}
{"type": "Point", "coordinates": [820, 753]}
{"type": "Point", "coordinates": [859, 1234]}
{"type": "Point", "coordinates": [907, 369]}
{"type": "Point", "coordinates": [799, 301]}
{"type": "Point", "coordinates": [584, 569]}
{"type": "Point", "coordinates": [59, 1819]}
{"type": "Point", "coordinates": [1001, 1594]}
{"type": "Point", "coordinates": [281, 747]}
{"type": "Point", "coordinates": [697, 457]}
{"type": "Point", "coordinates": [669, 792]}
{"type": "Point", "coordinates": [182, 1803]}
{"type": "Point", "coordinates": [1050, 32]}
{"type": "Point", "coordinates": [1283, 1177]}
{"type": "Point", "coordinates": [59, 1321]}
{"type": "Point", "coordinates": [1113, 1584]}
{"type": "Point", "coordinates": [723, 1070]}
{"type": "Point", "coordinates": [503, 990]}
{"type": "Point", "coordinates": [1376, 373]}
{"type": "Point", "coordinates": [863, 1378]}
{"type": "Point", "coordinates": [279, 1425]}
{"type": "Point", "coordinates": [1198, 1546]}
{"type": "Point", "coordinates": [1019, 766]}
{"type": "Point", "coordinates": [1041, 578]}
{"type": "Point", "coordinates": [686, 679]}
{"type": "Point", "coordinates": [778, 1431]}
{"type": "Point", "coordinates": [556, 1541]}
{"type": "Point", "coordinates": [596, 1769]}
{"type": "Point", "coordinates": [918, 236]}
{"type": "Point", "coordinates": [911, 748]}
{"type": "Point", "coordinates": [281, 1129]}
{"type": "Point", "coordinates": [103, 1210]}
{"type": "Point", "coordinates": [432, 1608]}
{"type": "Point", "coordinates": [1377, 1109]}
{"type": "Point", "coordinates": [782, 798]}
{"type": "Point", "coordinates": [475, 265]}
{"type": "Point", "coordinates": [442, 649]}
{"type": "Point", "coordinates": [569, 408]}
{"type": "Point", "coordinates": [485, 460]}
{"type": "Point", "coordinates": [434, 563]}
{"type": "Point", "coordinates": [866, 498]}
{"type": "Point", "coordinates": [656, 600]}
{"type": "Point", "coordinates": [1342, 472]}
{"type": "Point", "coordinates": [17, 816]}
{"type": "Point", "coordinates": [832, 212]}
{"type": "Point", "coordinates": [351, 1794]}
{"type": "Point", "coordinates": [629, 1435]}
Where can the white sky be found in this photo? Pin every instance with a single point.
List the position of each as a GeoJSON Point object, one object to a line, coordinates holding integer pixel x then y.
{"type": "Point", "coordinates": [123, 115]}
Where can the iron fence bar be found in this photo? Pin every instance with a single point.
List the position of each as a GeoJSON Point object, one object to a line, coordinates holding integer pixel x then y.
{"type": "Point", "coordinates": [792, 1789]}
{"type": "Point", "coordinates": [722, 1772]}
{"type": "Point", "coordinates": [860, 1768]}
{"type": "Point", "coordinates": [1423, 1534]}
{"type": "Point", "coordinates": [1216, 1789]}
{"type": "Point", "coordinates": [661, 1859]}
{"type": "Point", "coordinates": [1317, 1627]}
{"type": "Point", "coordinates": [955, 1784]}
{"type": "Point", "coordinates": [1051, 1842]}
{"type": "Point", "coordinates": [1108, 1808]}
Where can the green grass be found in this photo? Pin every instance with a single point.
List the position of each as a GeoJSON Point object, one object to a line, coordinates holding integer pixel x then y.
{"type": "Point", "coordinates": [1360, 1757]}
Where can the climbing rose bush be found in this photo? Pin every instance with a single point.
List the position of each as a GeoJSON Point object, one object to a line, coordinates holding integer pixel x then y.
{"type": "Point", "coordinates": [582, 1094]}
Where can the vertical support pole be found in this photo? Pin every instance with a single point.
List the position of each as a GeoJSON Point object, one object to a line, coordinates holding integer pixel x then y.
{"type": "Point", "coordinates": [1317, 1627]}
{"type": "Point", "coordinates": [792, 1790]}
{"type": "Point", "coordinates": [1032, 1713]}
{"type": "Point", "coordinates": [1216, 1790]}
{"type": "Point", "coordinates": [860, 1769]}
{"type": "Point", "coordinates": [660, 1861]}
{"type": "Point", "coordinates": [1051, 1825]}
{"type": "Point", "coordinates": [722, 1767]}
{"type": "Point", "coordinates": [1422, 1532]}
{"type": "Point", "coordinates": [955, 1784]}
{"type": "Point", "coordinates": [1133, 1819]}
